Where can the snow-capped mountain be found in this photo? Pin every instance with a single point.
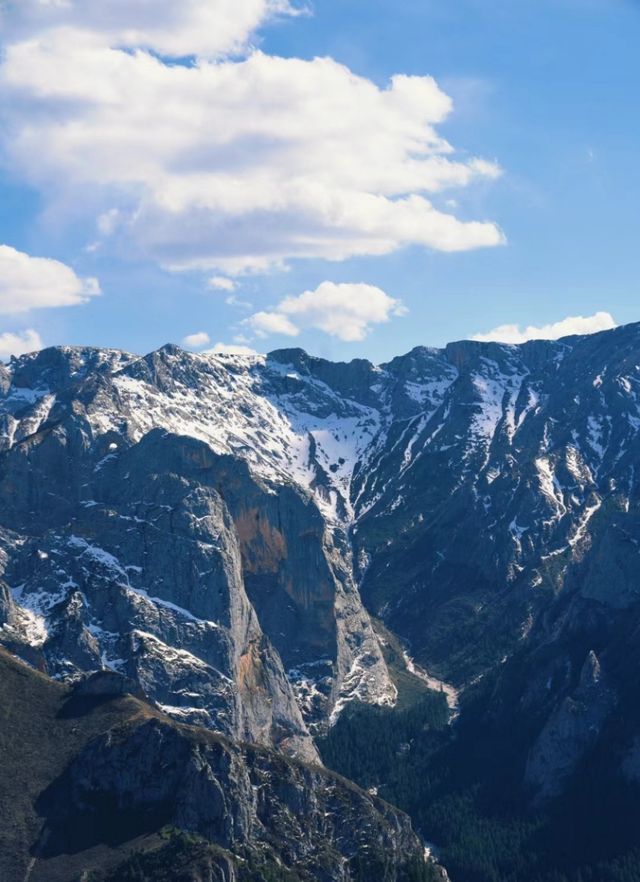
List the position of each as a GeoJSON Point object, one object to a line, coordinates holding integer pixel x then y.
{"type": "Point", "coordinates": [208, 524]}
{"type": "Point", "coordinates": [166, 526]}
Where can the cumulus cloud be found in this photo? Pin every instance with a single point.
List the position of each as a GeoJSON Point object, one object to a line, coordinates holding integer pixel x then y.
{"type": "Point", "coordinates": [230, 349]}
{"type": "Point", "coordinates": [576, 324]}
{"type": "Point", "coordinates": [35, 282]}
{"type": "Point", "coordinates": [228, 165]}
{"type": "Point", "coordinates": [18, 344]}
{"type": "Point", "coordinates": [345, 311]}
{"type": "Point", "coordinates": [197, 340]}
{"type": "Point", "coordinates": [265, 323]}
{"type": "Point", "coordinates": [206, 28]}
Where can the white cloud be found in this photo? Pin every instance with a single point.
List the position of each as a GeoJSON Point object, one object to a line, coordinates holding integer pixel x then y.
{"type": "Point", "coordinates": [222, 283]}
{"type": "Point", "coordinates": [228, 287]}
{"type": "Point", "coordinates": [264, 323]}
{"type": "Point", "coordinates": [18, 344]}
{"type": "Point", "coordinates": [205, 28]}
{"type": "Point", "coordinates": [577, 324]}
{"type": "Point", "coordinates": [346, 311]}
{"type": "Point", "coordinates": [225, 165]}
{"type": "Point", "coordinates": [230, 349]}
{"type": "Point", "coordinates": [197, 340]}
{"type": "Point", "coordinates": [35, 282]}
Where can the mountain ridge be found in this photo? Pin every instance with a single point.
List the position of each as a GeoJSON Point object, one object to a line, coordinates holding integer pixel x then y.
{"type": "Point", "coordinates": [94, 779]}
{"type": "Point", "coordinates": [217, 526]}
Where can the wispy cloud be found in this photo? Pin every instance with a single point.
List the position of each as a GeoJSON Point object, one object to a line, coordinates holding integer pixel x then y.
{"type": "Point", "coordinates": [576, 324]}
{"type": "Point", "coordinates": [222, 283]}
{"type": "Point", "coordinates": [230, 349]}
{"type": "Point", "coordinates": [19, 343]}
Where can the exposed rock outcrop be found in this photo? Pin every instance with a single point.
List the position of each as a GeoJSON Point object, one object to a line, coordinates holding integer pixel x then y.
{"type": "Point", "coordinates": [92, 782]}
{"type": "Point", "coordinates": [208, 525]}
{"type": "Point", "coordinates": [570, 732]}
{"type": "Point", "coordinates": [238, 798]}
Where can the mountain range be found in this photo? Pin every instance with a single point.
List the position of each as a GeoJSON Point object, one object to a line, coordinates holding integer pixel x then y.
{"type": "Point", "coordinates": [441, 553]}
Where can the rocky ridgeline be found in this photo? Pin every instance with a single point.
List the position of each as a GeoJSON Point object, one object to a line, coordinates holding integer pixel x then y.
{"type": "Point", "coordinates": [93, 779]}
{"type": "Point", "coordinates": [153, 553]}
{"type": "Point", "coordinates": [208, 525]}
{"type": "Point", "coordinates": [303, 817]}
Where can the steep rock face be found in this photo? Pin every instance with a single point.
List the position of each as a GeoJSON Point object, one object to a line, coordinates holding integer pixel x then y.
{"type": "Point", "coordinates": [146, 578]}
{"type": "Point", "coordinates": [509, 517]}
{"type": "Point", "coordinates": [482, 499]}
{"type": "Point", "coordinates": [170, 562]}
{"type": "Point", "coordinates": [571, 730]}
{"type": "Point", "coordinates": [234, 797]}
{"type": "Point", "coordinates": [519, 487]}
{"type": "Point", "coordinates": [93, 779]}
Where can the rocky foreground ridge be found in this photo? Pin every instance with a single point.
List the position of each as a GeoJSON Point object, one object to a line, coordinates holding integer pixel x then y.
{"type": "Point", "coordinates": [96, 785]}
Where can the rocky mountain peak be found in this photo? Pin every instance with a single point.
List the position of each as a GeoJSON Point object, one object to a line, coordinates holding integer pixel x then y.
{"type": "Point", "coordinates": [211, 525]}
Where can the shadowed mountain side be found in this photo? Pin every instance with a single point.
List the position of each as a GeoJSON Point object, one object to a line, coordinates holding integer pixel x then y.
{"type": "Point", "coordinates": [84, 792]}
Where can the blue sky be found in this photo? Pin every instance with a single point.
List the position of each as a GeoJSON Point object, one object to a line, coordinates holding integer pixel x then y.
{"type": "Point", "coordinates": [546, 91]}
